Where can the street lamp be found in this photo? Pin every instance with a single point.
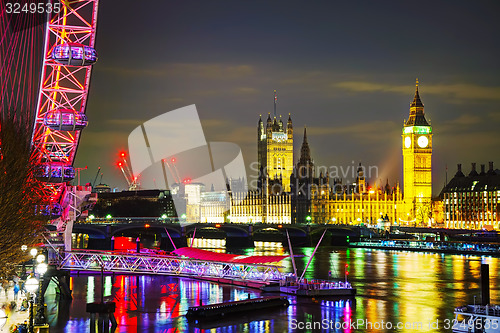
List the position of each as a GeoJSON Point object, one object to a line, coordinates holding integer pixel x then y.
{"type": "Point", "coordinates": [34, 252]}
{"type": "Point", "coordinates": [31, 285]}
{"type": "Point", "coordinates": [40, 306]}
{"type": "Point", "coordinates": [24, 248]}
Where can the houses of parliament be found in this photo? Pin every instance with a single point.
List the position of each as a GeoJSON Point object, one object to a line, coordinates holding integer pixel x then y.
{"type": "Point", "coordinates": [294, 190]}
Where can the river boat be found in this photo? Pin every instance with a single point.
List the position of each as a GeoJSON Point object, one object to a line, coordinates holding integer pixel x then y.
{"type": "Point", "coordinates": [477, 318]}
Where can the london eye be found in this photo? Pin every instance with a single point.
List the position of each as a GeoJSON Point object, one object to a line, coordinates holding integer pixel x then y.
{"type": "Point", "coordinates": [52, 86]}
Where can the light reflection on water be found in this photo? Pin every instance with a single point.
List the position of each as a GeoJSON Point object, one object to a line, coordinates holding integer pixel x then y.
{"type": "Point", "coordinates": [405, 287]}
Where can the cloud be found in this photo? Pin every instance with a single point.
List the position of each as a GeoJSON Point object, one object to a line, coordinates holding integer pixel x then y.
{"type": "Point", "coordinates": [361, 86]}
{"type": "Point", "coordinates": [450, 91]}
{"type": "Point", "coordinates": [246, 91]}
{"type": "Point", "coordinates": [305, 78]}
{"type": "Point", "coordinates": [198, 70]}
{"type": "Point", "coordinates": [462, 121]}
{"type": "Point", "coordinates": [125, 121]}
{"type": "Point", "coordinates": [494, 115]}
{"type": "Point", "coordinates": [374, 130]}
{"type": "Point", "coordinates": [216, 123]}
{"type": "Point", "coordinates": [105, 138]}
{"type": "Point", "coordinates": [465, 119]}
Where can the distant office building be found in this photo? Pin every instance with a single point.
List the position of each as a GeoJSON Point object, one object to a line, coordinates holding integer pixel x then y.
{"type": "Point", "coordinates": [214, 207]}
{"type": "Point", "coordinates": [192, 194]}
{"type": "Point", "coordinates": [102, 188]}
{"type": "Point", "coordinates": [140, 203]}
{"type": "Point", "coordinates": [473, 201]}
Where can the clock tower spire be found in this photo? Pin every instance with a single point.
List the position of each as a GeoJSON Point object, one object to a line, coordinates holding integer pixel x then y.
{"type": "Point", "coordinates": [417, 162]}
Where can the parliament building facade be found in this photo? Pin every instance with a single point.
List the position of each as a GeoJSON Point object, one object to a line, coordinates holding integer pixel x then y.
{"type": "Point", "coordinates": [298, 193]}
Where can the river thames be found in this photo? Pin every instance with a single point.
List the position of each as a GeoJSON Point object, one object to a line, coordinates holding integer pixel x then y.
{"type": "Point", "coordinates": [408, 291]}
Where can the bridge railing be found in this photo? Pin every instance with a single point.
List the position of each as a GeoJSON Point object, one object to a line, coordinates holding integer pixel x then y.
{"type": "Point", "coordinates": [112, 261]}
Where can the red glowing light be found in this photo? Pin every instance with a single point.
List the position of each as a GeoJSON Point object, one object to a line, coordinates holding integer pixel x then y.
{"type": "Point", "coordinates": [119, 164]}
{"type": "Point", "coordinates": [346, 273]}
{"type": "Point", "coordinates": [147, 225]}
{"type": "Point", "coordinates": [217, 225]}
{"type": "Point", "coordinates": [124, 243]}
{"type": "Point", "coordinates": [173, 160]}
{"type": "Point", "coordinates": [187, 180]}
{"type": "Point", "coordinates": [280, 226]}
{"type": "Point", "coordinates": [123, 154]}
{"type": "Point", "coordinates": [346, 265]}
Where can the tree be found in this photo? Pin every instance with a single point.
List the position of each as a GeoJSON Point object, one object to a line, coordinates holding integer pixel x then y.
{"type": "Point", "coordinates": [423, 213]}
{"type": "Point", "coordinates": [20, 192]}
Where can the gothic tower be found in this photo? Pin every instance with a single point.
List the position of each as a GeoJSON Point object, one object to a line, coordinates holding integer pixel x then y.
{"type": "Point", "coordinates": [275, 150]}
{"type": "Point", "coordinates": [417, 163]}
{"type": "Point", "coordinates": [305, 164]}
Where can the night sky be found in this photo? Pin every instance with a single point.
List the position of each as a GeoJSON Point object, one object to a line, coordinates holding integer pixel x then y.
{"type": "Point", "coordinates": [347, 72]}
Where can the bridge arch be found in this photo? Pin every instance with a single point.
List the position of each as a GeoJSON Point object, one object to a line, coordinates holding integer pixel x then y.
{"type": "Point", "coordinates": [235, 231]}
{"type": "Point", "coordinates": [136, 229]}
{"type": "Point", "coordinates": [93, 232]}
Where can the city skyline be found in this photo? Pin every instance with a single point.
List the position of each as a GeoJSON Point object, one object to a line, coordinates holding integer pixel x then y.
{"type": "Point", "coordinates": [346, 73]}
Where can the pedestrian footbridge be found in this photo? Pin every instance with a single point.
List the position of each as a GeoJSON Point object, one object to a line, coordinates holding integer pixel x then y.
{"type": "Point", "coordinates": [139, 263]}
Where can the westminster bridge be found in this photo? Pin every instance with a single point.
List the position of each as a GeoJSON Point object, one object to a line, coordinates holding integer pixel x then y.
{"type": "Point", "coordinates": [99, 233]}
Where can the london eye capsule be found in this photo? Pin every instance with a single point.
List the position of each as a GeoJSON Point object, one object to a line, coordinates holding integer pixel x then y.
{"type": "Point", "coordinates": [65, 120]}
{"type": "Point", "coordinates": [74, 54]}
{"type": "Point", "coordinates": [55, 172]}
{"type": "Point", "coordinates": [51, 211]}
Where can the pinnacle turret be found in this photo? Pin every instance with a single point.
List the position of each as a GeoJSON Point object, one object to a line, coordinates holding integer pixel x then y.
{"type": "Point", "coordinates": [416, 99]}
{"type": "Point", "coordinates": [305, 163]}
{"type": "Point", "coordinates": [417, 115]}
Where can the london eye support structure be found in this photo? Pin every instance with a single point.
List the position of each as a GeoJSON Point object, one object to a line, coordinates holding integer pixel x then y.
{"type": "Point", "coordinates": [68, 53]}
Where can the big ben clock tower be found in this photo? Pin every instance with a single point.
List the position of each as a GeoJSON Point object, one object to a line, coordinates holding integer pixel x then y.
{"type": "Point", "coordinates": [417, 163]}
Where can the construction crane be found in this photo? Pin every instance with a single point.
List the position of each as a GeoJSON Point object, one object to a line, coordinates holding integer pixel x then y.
{"type": "Point", "coordinates": [96, 175]}
{"type": "Point", "coordinates": [78, 173]}
{"type": "Point", "coordinates": [132, 181]}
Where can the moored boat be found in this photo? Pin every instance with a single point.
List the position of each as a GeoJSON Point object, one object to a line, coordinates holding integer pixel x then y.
{"type": "Point", "coordinates": [214, 311]}
{"type": "Point", "coordinates": [312, 288]}
{"type": "Point", "coordinates": [477, 318]}
{"type": "Point", "coordinates": [299, 286]}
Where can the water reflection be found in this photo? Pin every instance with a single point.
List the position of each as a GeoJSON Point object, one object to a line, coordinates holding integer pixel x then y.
{"type": "Point", "coordinates": [216, 245]}
{"type": "Point", "coordinates": [396, 287]}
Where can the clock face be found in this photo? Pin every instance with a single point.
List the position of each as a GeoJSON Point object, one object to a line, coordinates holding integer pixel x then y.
{"type": "Point", "coordinates": [407, 142]}
{"type": "Point", "coordinates": [423, 141]}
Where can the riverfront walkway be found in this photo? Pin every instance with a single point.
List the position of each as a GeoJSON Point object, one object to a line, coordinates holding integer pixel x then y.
{"type": "Point", "coordinates": [14, 316]}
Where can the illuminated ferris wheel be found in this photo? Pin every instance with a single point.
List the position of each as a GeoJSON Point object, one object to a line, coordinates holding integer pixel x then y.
{"type": "Point", "coordinates": [50, 88]}
{"type": "Point", "coordinates": [68, 55]}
